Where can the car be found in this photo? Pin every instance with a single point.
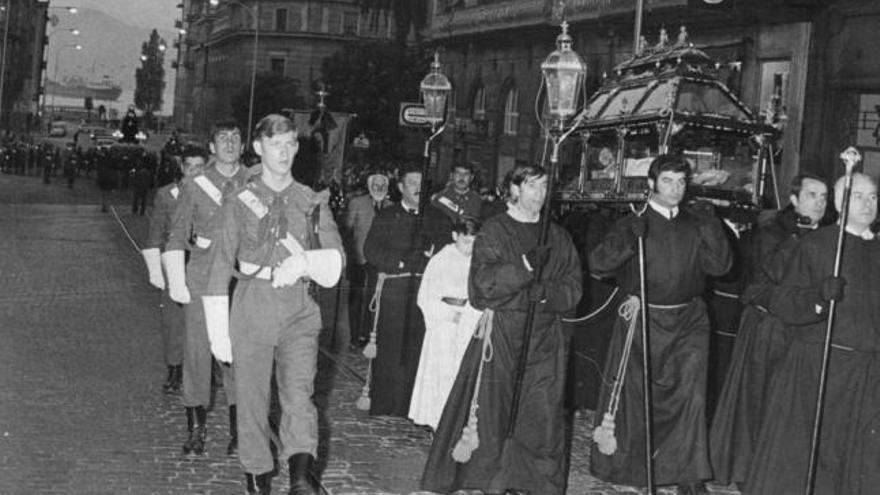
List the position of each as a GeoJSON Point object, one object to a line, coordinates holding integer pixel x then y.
{"type": "Point", "coordinates": [58, 129]}
{"type": "Point", "coordinates": [105, 141]}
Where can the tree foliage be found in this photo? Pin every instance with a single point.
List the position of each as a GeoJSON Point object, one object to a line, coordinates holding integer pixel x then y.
{"type": "Point", "coordinates": [407, 14]}
{"type": "Point", "coordinates": [370, 80]}
{"type": "Point", "coordinates": [272, 94]}
{"type": "Point", "coordinates": [150, 76]}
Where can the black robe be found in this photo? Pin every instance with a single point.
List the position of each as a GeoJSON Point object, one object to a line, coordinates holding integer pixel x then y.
{"type": "Point", "coordinates": [760, 344]}
{"type": "Point", "coordinates": [534, 458]}
{"type": "Point", "coordinates": [849, 450]}
{"type": "Point", "coordinates": [397, 237]}
{"type": "Point", "coordinates": [679, 254]}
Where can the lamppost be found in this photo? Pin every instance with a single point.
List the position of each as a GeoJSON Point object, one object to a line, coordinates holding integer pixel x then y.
{"type": "Point", "coordinates": [72, 31]}
{"type": "Point", "coordinates": [435, 89]}
{"type": "Point", "coordinates": [7, 13]}
{"type": "Point", "coordinates": [55, 72]}
{"type": "Point", "coordinates": [255, 13]}
{"type": "Point", "coordinates": [148, 105]}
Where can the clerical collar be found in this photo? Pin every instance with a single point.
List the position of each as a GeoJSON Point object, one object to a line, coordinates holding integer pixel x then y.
{"type": "Point", "coordinates": [865, 234]}
{"type": "Point", "coordinates": [667, 213]}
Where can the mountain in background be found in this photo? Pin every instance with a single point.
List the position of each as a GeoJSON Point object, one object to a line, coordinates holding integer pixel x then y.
{"type": "Point", "coordinates": [110, 55]}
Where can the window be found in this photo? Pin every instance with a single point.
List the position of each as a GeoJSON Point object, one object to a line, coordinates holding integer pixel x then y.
{"type": "Point", "coordinates": [276, 65]}
{"type": "Point", "coordinates": [350, 23]}
{"type": "Point", "coordinates": [280, 19]}
{"type": "Point", "coordinates": [479, 109]}
{"type": "Point", "coordinates": [511, 115]}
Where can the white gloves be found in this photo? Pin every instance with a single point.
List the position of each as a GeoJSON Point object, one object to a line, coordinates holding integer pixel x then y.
{"type": "Point", "coordinates": [217, 321]}
{"type": "Point", "coordinates": [176, 271]}
{"type": "Point", "coordinates": [154, 267]}
{"type": "Point", "coordinates": [290, 270]}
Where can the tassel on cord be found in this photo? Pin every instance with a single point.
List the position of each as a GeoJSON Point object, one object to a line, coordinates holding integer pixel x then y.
{"type": "Point", "coordinates": [470, 438]}
{"type": "Point", "coordinates": [603, 434]}
{"type": "Point", "coordinates": [370, 350]}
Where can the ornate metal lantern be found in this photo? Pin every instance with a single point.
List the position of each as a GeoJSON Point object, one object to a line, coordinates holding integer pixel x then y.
{"type": "Point", "coordinates": [564, 73]}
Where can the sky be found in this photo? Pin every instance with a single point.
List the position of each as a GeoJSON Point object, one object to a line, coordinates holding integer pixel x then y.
{"type": "Point", "coordinates": [144, 13]}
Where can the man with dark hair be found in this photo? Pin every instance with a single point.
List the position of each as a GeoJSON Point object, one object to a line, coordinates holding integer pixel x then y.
{"type": "Point", "coordinates": [683, 245]}
{"type": "Point", "coordinates": [458, 199]}
{"type": "Point", "coordinates": [173, 319]}
{"type": "Point", "coordinates": [762, 338]}
{"type": "Point", "coordinates": [193, 229]}
{"type": "Point", "coordinates": [503, 283]}
{"type": "Point", "coordinates": [269, 229]}
{"type": "Point", "coordinates": [401, 239]}
{"type": "Point", "coordinates": [848, 450]}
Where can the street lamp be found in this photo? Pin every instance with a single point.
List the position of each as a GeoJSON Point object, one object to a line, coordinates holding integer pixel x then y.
{"type": "Point", "coordinates": [55, 72]}
{"type": "Point", "coordinates": [255, 13]}
{"type": "Point", "coordinates": [72, 31]}
{"type": "Point", "coordinates": [435, 89]}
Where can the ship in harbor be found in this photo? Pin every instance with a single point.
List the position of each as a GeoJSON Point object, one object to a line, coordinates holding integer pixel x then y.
{"type": "Point", "coordinates": [77, 88]}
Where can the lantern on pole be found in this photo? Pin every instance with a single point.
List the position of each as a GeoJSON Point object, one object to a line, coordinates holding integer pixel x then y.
{"type": "Point", "coordinates": [564, 73]}
{"type": "Point", "coordinates": [435, 88]}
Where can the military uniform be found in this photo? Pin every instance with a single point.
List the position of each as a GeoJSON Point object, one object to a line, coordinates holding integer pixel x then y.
{"type": "Point", "coordinates": [172, 328]}
{"type": "Point", "coordinates": [256, 227]}
{"type": "Point", "coordinates": [193, 229]}
{"type": "Point", "coordinates": [456, 205]}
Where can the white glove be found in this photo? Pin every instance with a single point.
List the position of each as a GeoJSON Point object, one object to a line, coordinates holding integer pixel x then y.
{"type": "Point", "coordinates": [217, 321]}
{"type": "Point", "coordinates": [290, 270]}
{"type": "Point", "coordinates": [176, 271]}
{"type": "Point", "coordinates": [154, 267]}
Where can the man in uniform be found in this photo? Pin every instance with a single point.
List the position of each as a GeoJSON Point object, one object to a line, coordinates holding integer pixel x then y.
{"type": "Point", "coordinates": [267, 227]}
{"type": "Point", "coordinates": [358, 219]}
{"type": "Point", "coordinates": [193, 228]}
{"type": "Point", "coordinates": [172, 327]}
{"type": "Point", "coordinates": [762, 338]}
{"type": "Point", "coordinates": [849, 450]}
{"type": "Point", "coordinates": [683, 246]}
{"type": "Point", "coordinates": [458, 199]}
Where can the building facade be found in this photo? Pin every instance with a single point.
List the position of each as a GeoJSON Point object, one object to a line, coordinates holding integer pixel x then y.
{"type": "Point", "coordinates": [767, 51]}
{"type": "Point", "coordinates": [21, 62]}
{"type": "Point", "coordinates": [216, 54]}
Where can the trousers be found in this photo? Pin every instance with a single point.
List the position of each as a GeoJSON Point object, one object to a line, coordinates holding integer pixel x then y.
{"type": "Point", "coordinates": [198, 362]}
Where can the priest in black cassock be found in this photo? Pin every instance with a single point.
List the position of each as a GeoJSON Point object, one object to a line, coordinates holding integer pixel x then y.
{"type": "Point", "coordinates": [399, 243]}
{"type": "Point", "coordinates": [502, 281]}
{"type": "Point", "coordinates": [849, 448]}
{"type": "Point", "coordinates": [683, 246]}
{"type": "Point", "coordinates": [762, 339]}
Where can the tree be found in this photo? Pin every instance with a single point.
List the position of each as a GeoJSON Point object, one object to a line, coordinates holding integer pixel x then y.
{"type": "Point", "coordinates": [370, 80]}
{"type": "Point", "coordinates": [407, 14]}
{"type": "Point", "coordinates": [272, 93]}
{"type": "Point", "coordinates": [150, 77]}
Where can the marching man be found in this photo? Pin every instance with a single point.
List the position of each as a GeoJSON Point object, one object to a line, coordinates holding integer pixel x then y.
{"type": "Point", "coordinates": [270, 227]}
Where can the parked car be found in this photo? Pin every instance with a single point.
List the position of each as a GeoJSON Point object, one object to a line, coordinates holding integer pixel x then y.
{"type": "Point", "coordinates": [58, 129]}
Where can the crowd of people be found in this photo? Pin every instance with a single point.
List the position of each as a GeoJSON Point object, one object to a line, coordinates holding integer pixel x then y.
{"type": "Point", "coordinates": [460, 307]}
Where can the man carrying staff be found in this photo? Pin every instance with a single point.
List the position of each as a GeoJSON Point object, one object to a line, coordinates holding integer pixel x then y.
{"type": "Point", "coordinates": [506, 258]}
{"type": "Point", "coordinates": [267, 228]}
{"type": "Point", "coordinates": [193, 229]}
{"type": "Point", "coordinates": [683, 246]}
{"type": "Point", "coordinates": [849, 447]}
{"type": "Point", "coordinates": [193, 161]}
{"type": "Point", "coordinates": [762, 339]}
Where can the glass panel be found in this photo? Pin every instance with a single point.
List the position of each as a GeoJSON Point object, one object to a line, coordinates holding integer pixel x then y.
{"type": "Point", "coordinates": [597, 104]}
{"type": "Point", "coordinates": [623, 102]}
{"type": "Point", "coordinates": [658, 99]}
{"type": "Point", "coordinates": [703, 98]}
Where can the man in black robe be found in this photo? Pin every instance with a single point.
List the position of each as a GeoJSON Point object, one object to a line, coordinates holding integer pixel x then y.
{"type": "Point", "coordinates": [762, 338]}
{"type": "Point", "coordinates": [502, 281]}
{"type": "Point", "coordinates": [683, 246]}
{"type": "Point", "coordinates": [849, 447]}
{"type": "Point", "coordinates": [399, 243]}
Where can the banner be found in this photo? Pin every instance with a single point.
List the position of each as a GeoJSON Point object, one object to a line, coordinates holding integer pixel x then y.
{"type": "Point", "coordinates": [326, 133]}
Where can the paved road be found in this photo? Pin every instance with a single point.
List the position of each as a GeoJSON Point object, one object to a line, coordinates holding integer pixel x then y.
{"type": "Point", "coordinates": [80, 372]}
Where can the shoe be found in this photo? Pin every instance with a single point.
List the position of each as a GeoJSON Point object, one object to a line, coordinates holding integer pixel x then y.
{"type": "Point", "coordinates": [232, 447]}
{"type": "Point", "coordinates": [698, 488]}
{"type": "Point", "coordinates": [195, 443]}
{"type": "Point", "coordinates": [261, 484]}
{"type": "Point", "coordinates": [302, 479]}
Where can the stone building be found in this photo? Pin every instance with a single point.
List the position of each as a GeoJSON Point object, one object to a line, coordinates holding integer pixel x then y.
{"type": "Point", "coordinates": [216, 54]}
{"type": "Point", "coordinates": [21, 62]}
{"type": "Point", "coordinates": [825, 74]}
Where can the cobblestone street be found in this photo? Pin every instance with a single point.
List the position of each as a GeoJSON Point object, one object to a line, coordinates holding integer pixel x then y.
{"type": "Point", "coordinates": [81, 408]}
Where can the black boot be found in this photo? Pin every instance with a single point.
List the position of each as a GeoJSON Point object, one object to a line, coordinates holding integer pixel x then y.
{"type": "Point", "coordinates": [261, 484]}
{"type": "Point", "coordinates": [302, 478]}
{"type": "Point", "coordinates": [196, 442]}
{"type": "Point", "coordinates": [232, 448]}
